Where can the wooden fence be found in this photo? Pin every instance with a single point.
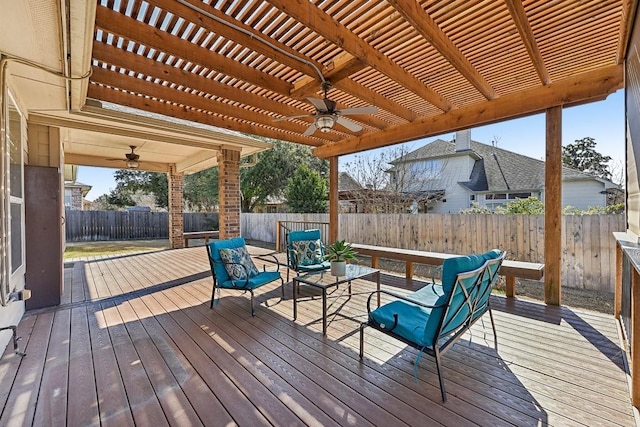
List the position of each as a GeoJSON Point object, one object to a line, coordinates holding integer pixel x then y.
{"type": "Point", "coordinates": [116, 225]}
{"type": "Point", "coordinates": [588, 255]}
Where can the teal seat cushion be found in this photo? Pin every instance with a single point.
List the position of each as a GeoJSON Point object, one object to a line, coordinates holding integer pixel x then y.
{"type": "Point", "coordinates": [412, 320]}
{"type": "Point", "coordinates": [254, 282]}
{"type": "Point", "coordinates": [315, 267]}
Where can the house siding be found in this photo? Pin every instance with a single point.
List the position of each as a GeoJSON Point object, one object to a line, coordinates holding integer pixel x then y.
{"type": "Point", "coordinates": [583, 194]}
{"type": "Point", "coordinates": [454, 170]}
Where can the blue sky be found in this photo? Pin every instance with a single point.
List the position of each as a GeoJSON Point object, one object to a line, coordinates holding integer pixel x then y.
{"type": "Point", "coordinates": [603, 121]}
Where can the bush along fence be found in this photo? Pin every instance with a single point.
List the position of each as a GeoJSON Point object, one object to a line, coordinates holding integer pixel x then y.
{"type": "Point", "coordinates": [588, 252]}
{"type": "Point", "coordinates": [117, 225]}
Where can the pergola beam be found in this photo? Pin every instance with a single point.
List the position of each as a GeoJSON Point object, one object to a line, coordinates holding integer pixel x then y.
{"type": "Point", "coordinates": [180, 97]}
{"type": "Point", "coordinates": [427, 27]}
{"type": "Point", "coordinates": [194, 13]}
{"type": "Point", "coordinates": [181, 112]}
{"type": "Point", "coordinates": [150, 67]}
{"type": "Point", "coordinates": [519, 16]}
{"type": "Point", "coordinates": [131, 29]}
{"type": "Point", "coordinates": [580, 88]}
{"type": "Point", "coordinates": [333, 31]}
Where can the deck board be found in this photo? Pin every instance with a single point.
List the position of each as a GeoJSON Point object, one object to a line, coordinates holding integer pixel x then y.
{"type": "Point", "coordinates": [137, 344]}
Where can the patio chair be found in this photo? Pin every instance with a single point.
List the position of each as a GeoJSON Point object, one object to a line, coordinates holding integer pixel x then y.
{"type": "Point", "coordinates": [433, 318]}
{"type": "Point", "coordinates": [232, 268]}
{"type": "Point", "coordinates": [305, 252]}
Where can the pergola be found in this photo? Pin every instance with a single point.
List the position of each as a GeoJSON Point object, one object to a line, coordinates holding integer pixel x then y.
{"type": "Point", "coordinates": [429, 67]}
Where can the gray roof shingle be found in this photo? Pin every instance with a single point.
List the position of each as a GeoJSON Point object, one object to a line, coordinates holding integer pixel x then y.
{"type": "Point", "coordinates": [495, 169]}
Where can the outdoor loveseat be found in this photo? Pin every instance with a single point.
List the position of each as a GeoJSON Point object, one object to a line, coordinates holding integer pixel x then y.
{"type": "Point", "coordinates": [232, 268]}
{"type": "Point", "coordinates": [433, 318]}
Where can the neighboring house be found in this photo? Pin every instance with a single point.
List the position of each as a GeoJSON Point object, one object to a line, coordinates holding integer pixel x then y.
{"type": "Point", "coordinates": [74, 194]}
{"type": "Point", "coordinates": [469, 172]}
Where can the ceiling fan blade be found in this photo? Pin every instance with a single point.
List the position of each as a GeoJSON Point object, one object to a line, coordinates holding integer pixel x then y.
{"type": "Point", "coordinates": [279, 119]}
{"type": "Point", "coordinates": [320, 104]}
{"type": "Point", "coordinates": [370, 109]}
{"type": "Point", "coordinates": [310, 130]}
{"type": "Point", "coordinates": [353, 127]}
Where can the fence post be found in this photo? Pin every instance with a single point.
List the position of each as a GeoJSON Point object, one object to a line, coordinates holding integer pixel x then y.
{"type": "Point", "coordinates": [278, 236]}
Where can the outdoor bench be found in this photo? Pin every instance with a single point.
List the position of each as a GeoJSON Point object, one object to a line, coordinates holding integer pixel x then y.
{"type": "Point", "coordinates": [206, 235]}
{"type": "Point", "coordinates": [509, 269]}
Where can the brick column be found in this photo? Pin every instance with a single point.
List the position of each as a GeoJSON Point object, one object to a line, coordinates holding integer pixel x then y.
{"type": "Point", "coordinates": [175, 179]}
{"type": "Point", "coordinates": [229, 193]}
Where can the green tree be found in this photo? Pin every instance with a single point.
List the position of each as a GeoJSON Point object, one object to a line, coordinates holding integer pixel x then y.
{"type": "Point", "coordinates": [270, 175]}
{"type": "Point", "coordinates": [201, 190]}
{"type": "Point", "coordinates": [307, 191]}
{"type": "Point", "coordinates": [583, 156]}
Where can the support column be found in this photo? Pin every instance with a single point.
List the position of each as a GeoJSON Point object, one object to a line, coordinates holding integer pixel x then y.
{"type": "Point", "coordinates": [229, 193]}
{"type": "Point", "coordinates": [553, 208]}
{"type": "Point", "coordinates": [334, 207]}
{"type": "Point", "coordinates": [176, 229]}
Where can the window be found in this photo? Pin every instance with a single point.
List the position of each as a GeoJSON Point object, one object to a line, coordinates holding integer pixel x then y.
{"type": "Point", "coordinates": [427, 169]}
{"type": "Point", "coordinates": [494, 200]}
{"type": "Point", "coordinates": [67, 198]}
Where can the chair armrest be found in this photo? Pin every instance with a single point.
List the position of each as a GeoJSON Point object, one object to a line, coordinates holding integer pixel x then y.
{"type": "Point", "coordinates": [275, 261]}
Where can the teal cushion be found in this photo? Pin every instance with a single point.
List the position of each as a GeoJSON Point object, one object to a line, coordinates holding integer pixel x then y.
{"type": "Point", "coordinates": [315, 267]}
{"type": "Point", "coordinates": [238, 262]}
{"type": "Point", "coordinates": [411, 320]}
{"type": "Point", "coordinates": [308, 252]}
{"type": "Point", "coordinates": [260, 279]}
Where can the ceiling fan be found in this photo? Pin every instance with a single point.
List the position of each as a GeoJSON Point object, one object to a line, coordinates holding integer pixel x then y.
{"type": "Point", "coordinates": [131, 158]}
{"type": "Point", "coordinates": [327, 114]}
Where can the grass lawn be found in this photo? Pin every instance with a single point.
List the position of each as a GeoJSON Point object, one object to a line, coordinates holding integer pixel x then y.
{"type": "Point", "coordinates": [87, 249]}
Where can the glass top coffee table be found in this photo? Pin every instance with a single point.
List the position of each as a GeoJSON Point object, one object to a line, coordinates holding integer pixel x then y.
{"type": "Point", "coordinates": [325, 280]}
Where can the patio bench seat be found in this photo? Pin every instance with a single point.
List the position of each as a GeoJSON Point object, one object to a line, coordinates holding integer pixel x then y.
{"type": "Point", "coordinates": [206, 235]}
{"type": "Point", "coordinates": [509, 269]}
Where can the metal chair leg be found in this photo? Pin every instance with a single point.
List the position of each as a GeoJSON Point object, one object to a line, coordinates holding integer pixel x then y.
{"type": "Point", "coordinates": [253, 308]}
{"type": "Point", "coordinates": [493, 326]}
{"type": "Point", "coordinates": [213, 295]}
{"type": "Point", "coordinates": [440, 377]}
{"type": "Point", "coordinates": [362, 326]}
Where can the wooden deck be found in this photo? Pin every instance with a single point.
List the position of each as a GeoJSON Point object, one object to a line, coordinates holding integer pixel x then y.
{"type": "Point", "coordinates": [135, 343]}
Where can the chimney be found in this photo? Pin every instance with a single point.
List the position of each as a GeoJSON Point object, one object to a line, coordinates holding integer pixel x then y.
{"type": "Point", "coordinates": [463, 140]}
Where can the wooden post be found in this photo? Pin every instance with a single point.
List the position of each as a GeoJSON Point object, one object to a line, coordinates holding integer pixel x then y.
{"type": "Point", "coordinates": [277, 236]}
{"type": "Point", "coordinates": [408, 270]}
{"type": "Point", "coordinates": [510, 286]}
{"type": "Point", "coordinates": [617, 301]}
{"type": "Point", "coordinates": [553, 208]}
{"type": "Point", "coordinates": [333, 200]}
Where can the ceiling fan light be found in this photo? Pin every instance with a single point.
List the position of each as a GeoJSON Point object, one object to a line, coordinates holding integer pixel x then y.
{"type": "Point", "coordinates": [325, 123]}
{"type": "Point", "coordinates": [132, 164]}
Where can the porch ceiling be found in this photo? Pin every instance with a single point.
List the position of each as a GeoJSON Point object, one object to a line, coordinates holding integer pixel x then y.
{"type": "Point", "coordinates": [429, 66]}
